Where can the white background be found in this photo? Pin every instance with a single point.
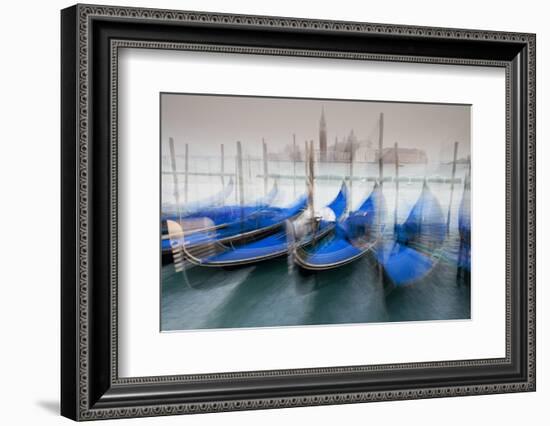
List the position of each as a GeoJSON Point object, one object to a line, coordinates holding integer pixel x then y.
{"type": "Point", "coordinates": [146, 352]}
{"type": "Point", "coordinates": [29, 167]}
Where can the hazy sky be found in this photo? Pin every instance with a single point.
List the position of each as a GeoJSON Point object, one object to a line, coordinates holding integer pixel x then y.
{"type": "Point", "coordinates": [206, 121]}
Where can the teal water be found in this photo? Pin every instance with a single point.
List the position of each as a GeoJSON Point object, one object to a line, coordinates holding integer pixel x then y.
{"type": "Point", "coordinates": [270, 294]}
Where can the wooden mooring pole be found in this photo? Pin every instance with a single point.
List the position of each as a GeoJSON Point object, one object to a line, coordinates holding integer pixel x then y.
{"type": "Point", "coordinates": [453, 173]}
{"type": "Point", "coordinates": [294, 163]}
{"type": "Point", "coordinates": [306, 162]}
{"type": "Point", "coordinates": [396, 151]}
{"type": "Point", "coordinates": [380, 149]}
{"type": "Point", "coordinates": [222, 167]}
{"type": "Point", "coordinates": [174, 172]}
{"type": "Point", "coordinates": [311, 178]}
{"type": "Point", "coordinates": [186, 180]}
{"type": "Point", "coordinates": [265, 165]}
{"type": "Point", "coordinates": [240, 173]}
{"type": "Point", "coordinates": [236, 180]}
{"type": "Point", "coordinates": [351, 158]}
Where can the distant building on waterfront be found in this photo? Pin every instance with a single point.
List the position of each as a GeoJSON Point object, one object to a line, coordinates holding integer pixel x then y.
{"type": "Point", "coordinates": [350, 147]}
{"type": "Point", "coordinates": [365, 153]}
{"type": "Point", "coordinates": [405, 155]}
{"type": "Point", "coordinates": [344, 149]}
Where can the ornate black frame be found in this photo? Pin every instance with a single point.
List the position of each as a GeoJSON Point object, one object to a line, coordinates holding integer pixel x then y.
{"type": "Point", "coordinates": [90, 386]}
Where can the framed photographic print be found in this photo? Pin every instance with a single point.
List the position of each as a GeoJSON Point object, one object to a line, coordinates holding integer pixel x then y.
{"type": "Point", "coordinates": [263, 212]}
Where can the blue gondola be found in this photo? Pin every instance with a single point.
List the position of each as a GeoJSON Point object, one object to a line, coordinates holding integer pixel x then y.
{"type": "Point", "coordinates": [211, 217]}
{"type": "Point", "coordinates": [414, 251]}
{"type": "Point", "coordinates": [246, 224]}
{"type": "Point", "coordinates": [200, 226]}
{"type": "Point", "coordinates": [273, 245]}
{"type": "Point", "coordinates": [351, 239]}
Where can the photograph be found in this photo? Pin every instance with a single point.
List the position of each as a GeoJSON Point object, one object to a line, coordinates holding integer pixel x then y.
{"type": "Point", "coordinates": [261, 208]}
{"type": "Point", "coordinates": [280, 212]}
